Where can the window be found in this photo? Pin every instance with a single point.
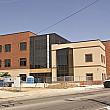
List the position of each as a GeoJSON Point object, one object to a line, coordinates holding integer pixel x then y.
{"type": "Point", "coordinates": [0, 48]}
{"type": "Point", "coordinates": [89, 76]}
{"type": "Point", "coordinates": [7, 62]}
{"type": "Point", "coordinates": [88, 58]}
{"type": "Point", "coordinates": [23, 46]}
{"type": "Point", "coordinates": [8, 48]}
{"type": "Point", "coordinates": [0, 63]}
{"type": "Point", "coordinates": [23, 77]}
{"type": "Point", "coordinates": [22, 61]}
{"type": "Point", "coordinates": [102, 58]}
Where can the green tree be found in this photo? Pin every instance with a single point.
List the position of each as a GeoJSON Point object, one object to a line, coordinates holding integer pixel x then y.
{"type": "Point", "coordinates": [4, 74]}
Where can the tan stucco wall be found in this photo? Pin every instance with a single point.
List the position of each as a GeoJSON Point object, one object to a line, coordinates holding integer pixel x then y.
{"type": "Point", "coordinates": [54, 69]}
{"type": "Point", "coordinates": [96, 48]}
{"type": "Point", "coordinates": [80, 73]}
{"type": "Point", "coordinates": [16, 72]}
{"type": "Point", "coordinates": [44, 70]}
{"type": "Point", "coordinates": [104, 54]}
{"type": "Point", "coordinates": [79, 56]}
{"type": "Point", "coordinates": [78, 45]}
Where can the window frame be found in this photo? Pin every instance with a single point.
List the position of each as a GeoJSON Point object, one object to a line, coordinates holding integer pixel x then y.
{"type": "Point", "coordinates": [90, 57]}
{"type": "Point", "coordinates": [0, 48]}
{"type": "Point", "coordinates": [23, 63]}
{"type": "Point", "coordinates": [7, 64]}
{"type": "Point", "coordinates": [102, 58]}
{"type": "Point", "coordinates": [7, 47]}
{"type": "Point", "coordinates": [89, 76]}
{"type": "Point", "coordinates": [23, 46]}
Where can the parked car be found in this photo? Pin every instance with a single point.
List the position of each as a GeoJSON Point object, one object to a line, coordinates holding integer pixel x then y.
{"type": "Point", "coordinates": [106, 83]}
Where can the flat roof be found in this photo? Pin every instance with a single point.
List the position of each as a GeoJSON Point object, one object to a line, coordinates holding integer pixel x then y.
{"type": "Point", "coordinates": [17, 33]}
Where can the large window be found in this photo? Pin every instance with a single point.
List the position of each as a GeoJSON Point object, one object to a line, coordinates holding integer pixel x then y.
{"type": "Point", "coordinates": [23, 46]}
{"type": "Point", "coordinates": [0, 48]}
{"type": "Point", "coordinates": [88, 58]}
{"type": "Point", "coordinates": [8, 48]}
{"type": "Point", "coordinates": [7, 62]}
{"type": "Point", "coordinates": [64, 59]}
{"type": "Point", "coordinates": [22, 61]}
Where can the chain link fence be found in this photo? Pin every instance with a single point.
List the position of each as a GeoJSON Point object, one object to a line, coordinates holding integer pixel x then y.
{"type": "Point", "coordinates": [82, 80]}
{"type": "Point", "coordinates": [60, 82]}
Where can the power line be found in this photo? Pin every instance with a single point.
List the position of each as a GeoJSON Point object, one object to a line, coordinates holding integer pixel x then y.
{"type": "Point", "coordinates": [80, 10]}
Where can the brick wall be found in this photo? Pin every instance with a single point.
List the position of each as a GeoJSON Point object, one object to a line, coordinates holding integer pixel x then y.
{"type": "Point", "coordinates": [107, 51]}
{"type": "Point", "coordinates": [15, 54]}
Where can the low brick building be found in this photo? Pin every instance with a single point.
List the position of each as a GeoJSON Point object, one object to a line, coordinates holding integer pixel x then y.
{"type": "Point", "coordinates": [26, 53]}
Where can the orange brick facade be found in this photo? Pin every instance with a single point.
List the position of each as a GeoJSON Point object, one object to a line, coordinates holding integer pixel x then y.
{"type": "Point", "coordinates": [15, 54]}
{"type": "Point", "coordinates": [107, 51]}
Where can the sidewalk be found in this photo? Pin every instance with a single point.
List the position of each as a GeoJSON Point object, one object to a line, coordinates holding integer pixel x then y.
{"type": "Point", "coordinates": [44, 92]}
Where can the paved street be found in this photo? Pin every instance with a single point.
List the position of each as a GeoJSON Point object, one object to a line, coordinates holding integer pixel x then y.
{"type": "Point", "coordinates": [86, 101]}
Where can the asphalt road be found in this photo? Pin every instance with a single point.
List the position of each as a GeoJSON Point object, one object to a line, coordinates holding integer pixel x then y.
{"type": "Point", "coordinates": [86, 101]}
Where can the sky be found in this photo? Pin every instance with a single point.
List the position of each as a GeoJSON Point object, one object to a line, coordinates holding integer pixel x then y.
{"type": "Point", "coordinates": [35, 15]}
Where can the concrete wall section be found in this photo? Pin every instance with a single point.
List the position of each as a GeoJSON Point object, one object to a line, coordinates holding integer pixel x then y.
{"type": "Point", "coordinates": [54, 69]}
{"type": "Point", "coordinates": [80, 73]}
{"type": "Point", "coordinates": [17, 72]}
{"type": "Point", "coordinates": [79, 56]}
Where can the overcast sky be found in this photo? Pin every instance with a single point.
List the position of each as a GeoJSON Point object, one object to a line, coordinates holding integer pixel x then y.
{"type": "Point", "coordinates": [35, 15]}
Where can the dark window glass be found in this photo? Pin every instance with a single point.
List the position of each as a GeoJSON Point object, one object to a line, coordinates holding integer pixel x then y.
{"type": "Point", "coordinates": [39, 52]}
{"type": "Point", "coordinates": [8, 48]}
{"type": "Point", "coordinates": [7, 62]}
{"type": "Point", "coordinates": [23, 46]}
{"type": "Point", "coordinates": [38, 49]}
{"type": "Point", "coordinates": [22, 61]}
{"type": "Point", "coordinates": [102, 58]}
{"type": "Point", "coordinates": [89, 76]}
{"type": "Point", "coordinates": [23, 77]}
{"type": "Point", "coordinates": [64, 59]}
{"type": "Point", "coordinates": [0, 48]}
{"type": "Point", "coordinates": [88, 58]}
{"type": "Point", "coordinates": [0, 63]}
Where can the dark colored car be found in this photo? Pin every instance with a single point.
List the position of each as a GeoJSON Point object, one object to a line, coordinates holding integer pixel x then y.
{"type": "Point", "coordinates": [106, 84]}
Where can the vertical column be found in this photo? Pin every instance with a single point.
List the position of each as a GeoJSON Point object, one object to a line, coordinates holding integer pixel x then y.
{"type": "Point", "coordinates": [54, 69]}
{"type": "Point", "coordinates": [47, 51]}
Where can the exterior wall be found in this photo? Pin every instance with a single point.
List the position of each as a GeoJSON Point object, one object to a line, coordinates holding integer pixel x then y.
{"type": "Point", "coordinates": [15, 54]}
{"type": "Point", "coordinates": [79, 56]}
{"type": "Point", "coordinates": [40, 49]}
{"type": "Point", "coordinates": [16, 72]}
{"type": "Point", "coordinates": [96, 48]}
{"type": "Point", "coordinates": [44, 70]}
{"type": "Point", "coordinates": [76, 45]}
{"type": "Point", "coordinates": [96, 67]}
{"type": "Point", "coordinates": [107, 51]}
{"type": "Point", "coordinates": [30, 54]}
{"type": "Point", "coordinates": [54, 68]}
{"type": "Point", "coordinates": [80, 73]}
